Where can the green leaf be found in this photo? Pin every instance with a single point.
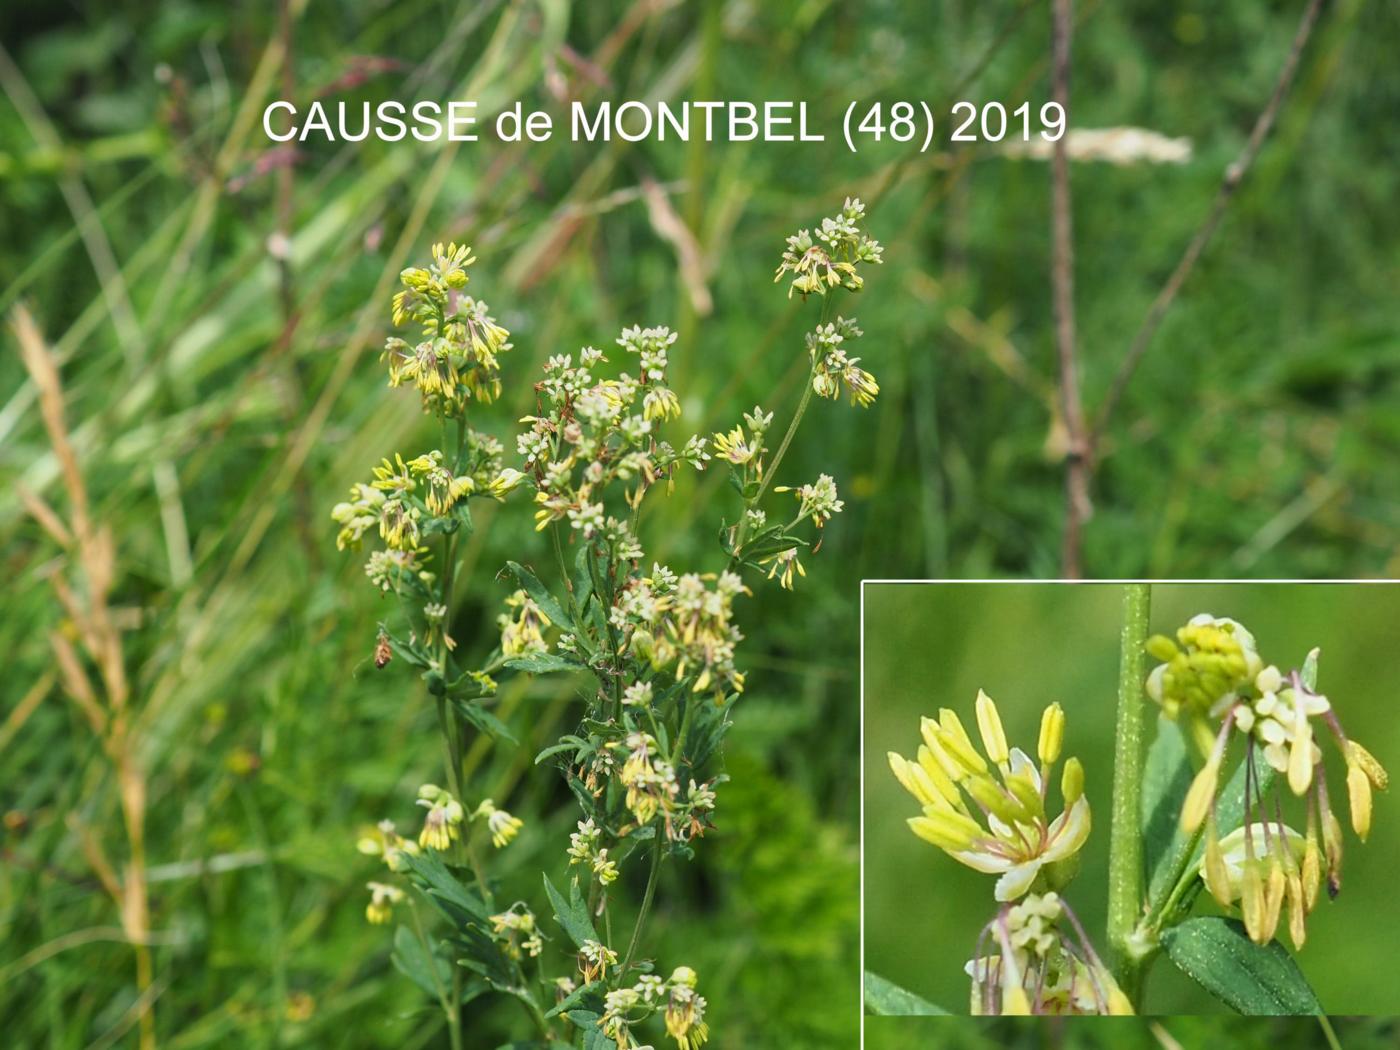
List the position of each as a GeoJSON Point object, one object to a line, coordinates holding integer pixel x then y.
{"type": "Point", "coordinates": [568, 743]}
{"type": "Point", "coordinates": [428, 971]}
{"type": "Point", "coordinates": [1254, 979]}
{"type": "Point", "coordinates": [541, 663]}
{"type": "Point", "coordinates": [1165, 781]}
{"type": "Point", "coordinates": [573, 913]}
{"type": "Point", "coordinates": [887, 999]}
{"type": "Point", "coordinates": [593, 1037]}
{"type": "Point", "coordinates": [485, 721]}
{"type": "Point", "coordinates": [1309, 672]}
{"type": "Point", "coordinates": [532, 586]}
{"type": "Point", "coordinates": [583, 575]}
{"type": "Point", "coordinates": [443, 889]}
{"type": "Point", "coordinates": [594, 990]}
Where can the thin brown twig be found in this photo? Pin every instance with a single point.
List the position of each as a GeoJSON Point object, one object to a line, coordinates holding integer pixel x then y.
{"type": "Point", "coordinates": [1077, 506]}
{"type": "Point", "coordinates": [1234, 175]}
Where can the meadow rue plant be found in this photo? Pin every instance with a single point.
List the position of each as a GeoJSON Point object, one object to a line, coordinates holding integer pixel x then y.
{"type": "Point", "coordinates": [989, 810]}
{"type": "Point", "coordinates": [657, 648]}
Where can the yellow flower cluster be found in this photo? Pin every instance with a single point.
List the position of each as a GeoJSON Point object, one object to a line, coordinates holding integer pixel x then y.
{"type": "Point", "coordinates": [456, 358]}
{"type": "Point", "coordinates": [517, 932]}
{"type": "Point", "coordinates": [1213, 676]}
{"type": "Point", "coordinates": [830, 256]}
{"type": "Point", "coordinates": [698, 634]}
{"type": "Point", "coordinates": [1018, 841]}
{"type": "Point", "coordinates": [683, 1010]}
{"type": "Point", "coordinates": [522, 632]}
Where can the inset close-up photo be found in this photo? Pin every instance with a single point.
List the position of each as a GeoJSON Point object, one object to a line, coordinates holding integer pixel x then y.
{"type": "Point", "coordinates": [1119, 799]}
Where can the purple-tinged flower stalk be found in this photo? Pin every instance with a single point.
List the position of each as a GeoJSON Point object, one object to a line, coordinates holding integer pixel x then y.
{"type": "Point", "coordinates": [1042, 964]}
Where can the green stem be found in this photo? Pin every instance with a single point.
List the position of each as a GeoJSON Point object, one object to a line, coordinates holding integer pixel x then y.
{"type": "Point", "coordinates": [1125, 872]}
{"type": "Point", "coordinates": [564, 570]}
{"type": "Point", "coordinates": [646, 907]}
{"type": "Point", "coordinates": [449, 1007]}
{"type": "Point", "coordinates": [690, 702]}
{"type": "Point", "coordinates": [768, 475]}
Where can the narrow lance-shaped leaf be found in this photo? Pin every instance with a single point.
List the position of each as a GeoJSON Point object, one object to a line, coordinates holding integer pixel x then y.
{"type": "Point", "coordinates": [541, 663]}
{"type": "Point", "coordinates": [1166, 778]}
{"type": "Point", "coordinates": [541, 595]}
{"type": "Point", "coordinates": [884, 998]}
{"type": "Point", "coordinates": [1254, 979]}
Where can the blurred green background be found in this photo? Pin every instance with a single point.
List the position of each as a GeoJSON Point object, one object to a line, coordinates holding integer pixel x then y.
{"type": "Point", "coordinates": [1028, 645]}
{"type": "Point", "coordinates": [222, 399]}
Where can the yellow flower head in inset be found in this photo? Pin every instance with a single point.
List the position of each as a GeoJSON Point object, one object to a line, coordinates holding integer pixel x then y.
{"type": "Point", "coordinates": [989, 813]}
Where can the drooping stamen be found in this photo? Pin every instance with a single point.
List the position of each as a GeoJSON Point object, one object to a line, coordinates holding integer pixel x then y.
{"type": "Point", "coordinates": [1086, 949]}
{"type": "Point", "coordinates": [1249, 798]}
{"type": "Point", "coordinates": [980, 958]}
{"type": "Point", "coordinates": [1328, 821]}
{"type": "Point", "coordinates": [1335, 724]}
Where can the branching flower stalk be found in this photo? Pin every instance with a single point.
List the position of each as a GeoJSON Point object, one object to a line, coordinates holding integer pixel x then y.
{"type": "Point", "coordinates": [989, 811]}
{"type": "Point", "coordinates": [656, 648]}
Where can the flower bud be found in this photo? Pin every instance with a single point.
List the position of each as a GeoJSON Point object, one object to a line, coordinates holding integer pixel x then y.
{"type": "Point", "coordinates": [955, 740]}
{"type": "Point", "coordinates": [1252, 902]}
{"type": "Point", "coordinates": [1213, 870]}
{"type": "Point", "coordinates": [1072, 782]}
{"type": "Point", "coordinates": [1052, 734]}
{"type": "Point", "coordinates": [1273, 902]}
{"type": "Point", "coordinates": [1332, 846]}
{"type": "Point", "coordinates": [1359, 794]}
{"type": "Point", "coordinates": [938, 776]}
{"type": "Point", "coordinates": [996, 801]}
{"type": "Point", "coordinates": [989, 725]}
{"type": "Point", "coordinates": [1162, 648]}
{"type": "Point", "coordinates": [913, 779]}
{"type": "Point", "coordinates": [1297, 912]}
{"type": "Point", "coordinates": [944, 829]}
{"type": "Point", "coordinates": [1300, 766]}
{"type": "Point", "coordinates": [1312, 871]}
{"type": "Point", "coordinates": [1200, 796]}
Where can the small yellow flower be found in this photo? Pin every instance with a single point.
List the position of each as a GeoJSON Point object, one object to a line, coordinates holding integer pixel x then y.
{"type": "Point", "coordinates": [594, 958]}
{"type": "Point", "coordinates": [736, 447]}
{"type": "Point", "coordinates": [382, 899]}
{"type": "Point", "coordinates": [523, 633]}
{"type": "Point", "coordinates": [782, 565]}
{"type": "Point", "coordinates": [502, 826]}
{"type": "Point", "coordinates": [1018, 842]}
{"type": "Point", "coordinates": [442, 822]}
{"type": "Point", "coordinates": [660, 403]}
